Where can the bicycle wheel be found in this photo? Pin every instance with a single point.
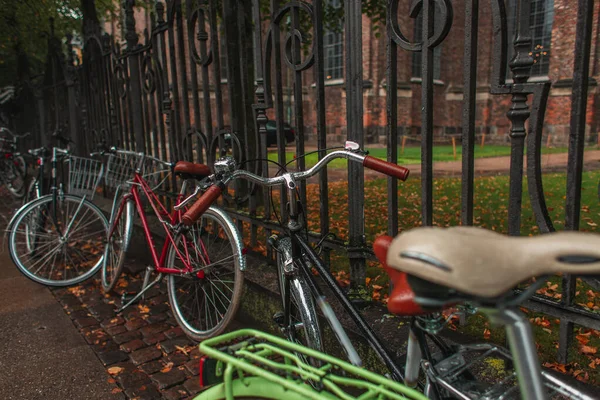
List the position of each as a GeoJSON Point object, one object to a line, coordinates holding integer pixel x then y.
{"type": "Point", "coordinates": [205, 301]}
{"type": "Point", "coordinates": [117, 242]}
{"type": "Point", "coordinates": [33, 192]}
{"type": "Point", "coordinates": [304, 328]}
{"type": "Point", "coordinates": [69, 238]}
{"type": "Point", "coordinates": [15, 182]}
{"type": "Point", "coordinates": [21, 166]}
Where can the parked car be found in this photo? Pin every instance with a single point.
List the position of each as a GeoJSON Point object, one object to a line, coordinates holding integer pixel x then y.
{"type": "Point", "coordinates": [288, 131]}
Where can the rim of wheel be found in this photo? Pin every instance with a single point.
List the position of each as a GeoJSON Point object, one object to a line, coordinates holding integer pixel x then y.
{"type": "Point", "coordinates": [54, 257]}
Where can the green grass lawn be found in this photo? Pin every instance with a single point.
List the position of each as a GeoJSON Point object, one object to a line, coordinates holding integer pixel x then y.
{"type": "Point", "coordinates": [412, 155]}
{"type": "Point", "coordinates": [490, 204]}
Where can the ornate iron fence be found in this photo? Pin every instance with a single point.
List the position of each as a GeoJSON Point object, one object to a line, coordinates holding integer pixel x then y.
{"type": "Point", "coordinates": [208, 75]}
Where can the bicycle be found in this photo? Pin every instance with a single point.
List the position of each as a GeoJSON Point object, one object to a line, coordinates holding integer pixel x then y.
{"type": "Point", "coordinates": [13, 169]}
{"type": "Point", "coordinates": [253, 364]}
{"type": "Point", "coordinates": [204, 262]}
{"type": "Point", "coordinates": [53, 239]}
{"type": "Point", "coordinates": [300, 294]}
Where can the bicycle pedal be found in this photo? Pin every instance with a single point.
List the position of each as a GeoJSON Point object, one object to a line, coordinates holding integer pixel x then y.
{"type": "Point", "coordinates": [278, 318]}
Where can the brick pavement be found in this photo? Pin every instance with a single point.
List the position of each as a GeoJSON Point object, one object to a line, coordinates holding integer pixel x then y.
{"type": "Point", "coordinates": [143, 350]}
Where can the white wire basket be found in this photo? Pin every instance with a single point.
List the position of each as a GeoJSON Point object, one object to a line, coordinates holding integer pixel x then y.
{"type": "Point", "coordinates": [84, 176]}
{"type": "Point", "coordinates": [122, 166]}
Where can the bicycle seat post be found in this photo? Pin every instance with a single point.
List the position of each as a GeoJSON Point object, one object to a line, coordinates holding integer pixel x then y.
{"type": "Point", "coordinates": [522, 346]}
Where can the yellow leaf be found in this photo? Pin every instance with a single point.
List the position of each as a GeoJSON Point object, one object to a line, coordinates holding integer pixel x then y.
{"type": "Point", "coordinates": [167, 368]}
{"type": "Point", "coordinates": [143, 309]}
{"type": "Point", "coordinates": [182, 349]}
{"type": "Point", "coordinates": [115, 370]}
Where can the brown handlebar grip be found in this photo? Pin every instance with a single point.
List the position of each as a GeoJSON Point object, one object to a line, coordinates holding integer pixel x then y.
{"type": "Point", "coordinates": [387, 168]}
{"type": "Point", "coordinates": [201, 205]}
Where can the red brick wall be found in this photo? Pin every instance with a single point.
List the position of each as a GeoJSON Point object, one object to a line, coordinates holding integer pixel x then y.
{"type": "Point", "coordinates": [448, 91]}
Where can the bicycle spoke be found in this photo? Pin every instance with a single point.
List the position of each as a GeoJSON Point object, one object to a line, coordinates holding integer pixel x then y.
{"type": "Point", "coordinates": [41, 260]}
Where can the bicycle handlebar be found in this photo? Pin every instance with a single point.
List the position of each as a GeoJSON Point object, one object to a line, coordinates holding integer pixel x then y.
{"type": "Point", "coordinates": [204, 202]}
{"type": "Point", "coordinates": [14, 135]}
{"type": "Point", "coordinates": [210, 196]}
{"type": "Point", "coordinates": [44, 152]}
{"type": "Point", "coordinates": [373, 163]}
{"type": "Point", "coordinates": [114, 150]}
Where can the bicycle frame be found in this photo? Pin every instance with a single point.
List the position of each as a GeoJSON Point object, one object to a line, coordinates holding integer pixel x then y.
{"type": "Point", "coordinates": [162, 214]}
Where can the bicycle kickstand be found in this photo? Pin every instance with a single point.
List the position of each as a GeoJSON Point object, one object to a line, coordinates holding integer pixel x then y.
{"type": "Point", "coordinates": [146, 285]}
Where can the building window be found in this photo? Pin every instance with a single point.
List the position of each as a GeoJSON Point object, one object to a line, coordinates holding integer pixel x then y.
{"type": "Point", "coordinates": [417, 60]}
{"type": "Point", "coordinates": [541, 18]}
{"type": "Point", "coordinates": [333, 46]}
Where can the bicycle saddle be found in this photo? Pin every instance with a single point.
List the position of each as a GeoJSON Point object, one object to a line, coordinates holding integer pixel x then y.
{"type": "Point", "coordinates": [485, 264]}
{"type": "Point", "coordinates": [193, 170]}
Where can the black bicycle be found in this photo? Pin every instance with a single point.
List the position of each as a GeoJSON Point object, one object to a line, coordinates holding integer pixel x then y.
{"type": "Point", "coordinates": [57, 238]}
{"type": "Point", "coordinates": [295, 257]}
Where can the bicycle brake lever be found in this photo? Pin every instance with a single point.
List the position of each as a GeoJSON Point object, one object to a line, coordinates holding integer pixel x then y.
{"type": "Point", "coordinates": [179, 206]}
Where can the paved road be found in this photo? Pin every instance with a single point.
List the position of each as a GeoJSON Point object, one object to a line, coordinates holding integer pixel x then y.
{"type": "Point", "coordinates": [42, 354]}
{"type": "Point", "coordinates": [483, 166]}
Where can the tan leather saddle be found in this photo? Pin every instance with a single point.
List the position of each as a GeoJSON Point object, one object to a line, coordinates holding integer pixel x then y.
{"type": "Point", "coordinates": [486, 264]}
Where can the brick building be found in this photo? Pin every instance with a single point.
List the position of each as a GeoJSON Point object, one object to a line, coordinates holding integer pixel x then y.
{"type": "Point", "coordinates": [553, 24]}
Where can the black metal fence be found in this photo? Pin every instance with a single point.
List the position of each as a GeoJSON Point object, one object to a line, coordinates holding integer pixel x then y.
{"type": "Point", "coordinates": [208, 75]}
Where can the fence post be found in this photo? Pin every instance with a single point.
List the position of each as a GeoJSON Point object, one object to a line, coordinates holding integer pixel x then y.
{"type": "Point", "coordinates": [131, 37]}
{"type": "Point", "coordinates": [581, 70]}
{"type": "Point", "coordinates": [71, 81]}
{"type": "Point", "coordinates": [39, 97]}
{"type": "Point", "coordinates": [354, 117]}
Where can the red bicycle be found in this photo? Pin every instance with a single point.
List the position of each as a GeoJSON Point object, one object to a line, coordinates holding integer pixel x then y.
{"type": "Point", "coordinates": [203, 262]}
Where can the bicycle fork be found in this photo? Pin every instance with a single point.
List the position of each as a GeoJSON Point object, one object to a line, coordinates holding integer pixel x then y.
{"type": "Point", "coordinates": [286, 265]}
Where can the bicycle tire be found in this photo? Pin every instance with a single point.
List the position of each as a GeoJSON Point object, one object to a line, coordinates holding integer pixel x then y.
{"type": "Point", "coordinates": [18, 190]}
{"type": "Point", "coordinates": [303, 304]}
{"type": "Point", "coordinates": [117, 243]}
{"type": "Point", "coordinates": [80, 241]}
{"type": "Point", "coordinates": [33, 192]}
{"type": "Point", "coordinates": [21, 167]}
{"type": "Point", "coordinates": [213, 237]}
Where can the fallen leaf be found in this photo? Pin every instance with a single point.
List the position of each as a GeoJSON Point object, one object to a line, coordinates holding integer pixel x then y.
{"type": "Point", "coordinates": [583, 339]}
{"type": "Point", "coordinates": [143, 309]}
{"type": "Point", "coordinates": [116, 390]}
{"type": "Point", "coordinates": [115, 370]}
{"type": "Point", "coordinates": [588, 349]}
{"type": "Point", "coordinates": [556, 366]}
{"type": "Point", "coordinates": [167, 368]}
{"type": "Point", "coordinates": [182, 349]}
{"type": "Point", "coordinates": [487, 333]}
